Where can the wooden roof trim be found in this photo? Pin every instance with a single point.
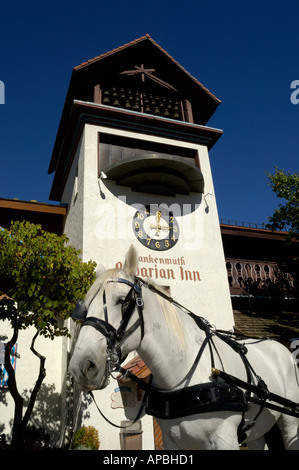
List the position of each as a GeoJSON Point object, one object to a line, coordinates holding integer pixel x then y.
{"type": "Point", "coordinates": [252, 232]}
{"type": "Point", "coordinates": [32, 206]}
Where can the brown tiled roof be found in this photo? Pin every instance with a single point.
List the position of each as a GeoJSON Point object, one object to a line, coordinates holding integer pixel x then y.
{"type": "Point", "coordinates": [113, 51]}
{"type": "Point", "coordinates": [282, 326]}
{"type": "Point", "coordinates": [137, 367]}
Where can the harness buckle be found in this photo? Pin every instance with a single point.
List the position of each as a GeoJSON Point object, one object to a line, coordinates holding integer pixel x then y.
{"type": "Point", "coordinates": [139, 302]}
{"type": "Point", "coordinates": [112, 360]}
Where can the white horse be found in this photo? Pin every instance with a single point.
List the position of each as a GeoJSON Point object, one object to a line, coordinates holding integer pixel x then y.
{"type": "Point", "coordinates": [169, 340]}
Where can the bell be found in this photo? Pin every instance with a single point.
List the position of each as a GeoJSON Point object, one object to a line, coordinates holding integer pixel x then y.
{"type": "Point", "coordinates": [106, 97]}
{"type": "Point", "coordinates": [176, 114]}
{"type": "Point", "coordinates": [147, 108]}
{"type": "Point", "coordinates": [130, 96]}
{"type": "Point", "coordinates": [137, 100]}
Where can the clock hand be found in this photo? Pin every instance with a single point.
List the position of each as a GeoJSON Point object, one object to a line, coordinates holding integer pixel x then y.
{"type": "Point", "coordinates": [158, 217]}
{"type": "Point", "coordinates": [160, 227]}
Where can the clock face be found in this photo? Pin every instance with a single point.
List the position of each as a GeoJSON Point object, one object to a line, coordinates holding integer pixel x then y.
{"type": "Point", "coordinates": [156, 228]}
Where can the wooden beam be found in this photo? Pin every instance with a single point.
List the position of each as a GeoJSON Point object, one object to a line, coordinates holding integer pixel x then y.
{"type": "Point", "coordinates": [32, 206]}
{"type": "Point", "coordinates": [97, 94]}
{"type": "Point", "coordinates": [188, 111]}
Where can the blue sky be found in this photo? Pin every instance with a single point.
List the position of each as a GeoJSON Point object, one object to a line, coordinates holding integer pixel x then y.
{"type": "Point", "coordinates": [245, 52]}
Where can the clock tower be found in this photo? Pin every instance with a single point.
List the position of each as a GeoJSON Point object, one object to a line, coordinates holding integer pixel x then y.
{"type": "Point", "coordinates": [131, 161]}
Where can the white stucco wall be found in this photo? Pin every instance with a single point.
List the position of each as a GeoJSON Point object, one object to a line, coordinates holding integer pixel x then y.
{"type": "Point", "coordinates": [47, 410]}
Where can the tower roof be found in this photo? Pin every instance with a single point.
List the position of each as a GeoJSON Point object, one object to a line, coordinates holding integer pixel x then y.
{"type": "Point", "coordinates": [142, 65]}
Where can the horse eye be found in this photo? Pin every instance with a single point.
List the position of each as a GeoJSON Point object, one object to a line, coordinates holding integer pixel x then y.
{"type": "Point", "coordinates": [120, 301]}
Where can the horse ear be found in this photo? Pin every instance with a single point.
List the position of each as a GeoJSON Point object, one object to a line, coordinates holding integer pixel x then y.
{"type": "Point", "coordinates": [131, 261]}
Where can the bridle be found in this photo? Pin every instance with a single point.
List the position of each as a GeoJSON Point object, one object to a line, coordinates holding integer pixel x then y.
{"type": "Point", "coordinates": [116, 337]}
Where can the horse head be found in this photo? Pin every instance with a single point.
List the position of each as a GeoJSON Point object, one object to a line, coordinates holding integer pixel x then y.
{"type": "Point", "coordinates": [112, 324]}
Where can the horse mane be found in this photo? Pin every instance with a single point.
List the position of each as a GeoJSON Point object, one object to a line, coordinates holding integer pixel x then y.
{"type": "Point", "coordinates": [169, 311]}
{"type": "Point", "coordinates": [99, 284]}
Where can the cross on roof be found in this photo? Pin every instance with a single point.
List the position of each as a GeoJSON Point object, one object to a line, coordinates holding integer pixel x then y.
{"type": "Point", "coordinates": [149, 73]}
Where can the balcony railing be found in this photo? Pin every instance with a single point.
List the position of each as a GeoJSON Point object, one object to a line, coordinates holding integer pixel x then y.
{"type": "Point", "coordinates": [259, 278]}
{"type": "Point", "coordinates": [239, 223]}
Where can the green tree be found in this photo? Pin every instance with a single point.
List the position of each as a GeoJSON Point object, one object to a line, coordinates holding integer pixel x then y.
{"type": "Point", "coordinates": [286, 217]}
{"type": "Point", "coordinates": [41, 277]}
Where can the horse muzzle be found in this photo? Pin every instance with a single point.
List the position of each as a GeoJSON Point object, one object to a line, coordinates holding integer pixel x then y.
{"type": "Point", "coordinates": [88, 376]}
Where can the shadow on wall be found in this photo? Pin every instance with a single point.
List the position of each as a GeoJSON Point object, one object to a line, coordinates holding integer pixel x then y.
{"type": "Point", "coordinates": [46, 412]}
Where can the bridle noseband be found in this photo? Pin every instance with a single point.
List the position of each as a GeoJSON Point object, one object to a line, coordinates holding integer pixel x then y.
{"type": "Point", "coordinates": [115, 337]}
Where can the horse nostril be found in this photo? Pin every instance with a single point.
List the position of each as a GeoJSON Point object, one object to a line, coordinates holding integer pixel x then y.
{"type": "Point", "coordinates": [90, 369]}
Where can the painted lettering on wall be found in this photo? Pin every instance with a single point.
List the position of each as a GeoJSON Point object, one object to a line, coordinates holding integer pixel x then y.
{"type": "Point", "coordinates": [164, 269]}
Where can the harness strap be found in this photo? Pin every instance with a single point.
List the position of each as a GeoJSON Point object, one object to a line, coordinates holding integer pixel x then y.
{"type": "Point", "coordinates": [197, 359]}
{"type": "Point", "coordinates": [202, 323]}
{"type": "Point", "coordinates": [117, 425]}
{"type": "Point", "coordinates": [257, 390]}
{"type": "Point", "coordinates": [105, 307]}
{"type": "Point", "coordinates": [102, 326]}
{"type": "Point", "coordinates": [145, 386]}
{"type": "Point", "coordinates": [201, 398]}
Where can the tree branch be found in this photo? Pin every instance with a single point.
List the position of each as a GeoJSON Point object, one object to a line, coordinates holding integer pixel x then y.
{"type": "Point", "coordinates": [11, 381]}
{"type": "Point", "coordinates": [41, 376]}
{"type": "Point", "coordinates": [17, 432]}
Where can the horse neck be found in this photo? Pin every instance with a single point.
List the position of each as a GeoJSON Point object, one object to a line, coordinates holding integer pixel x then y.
{"type": "Point", "coordinates": [167, 354]}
